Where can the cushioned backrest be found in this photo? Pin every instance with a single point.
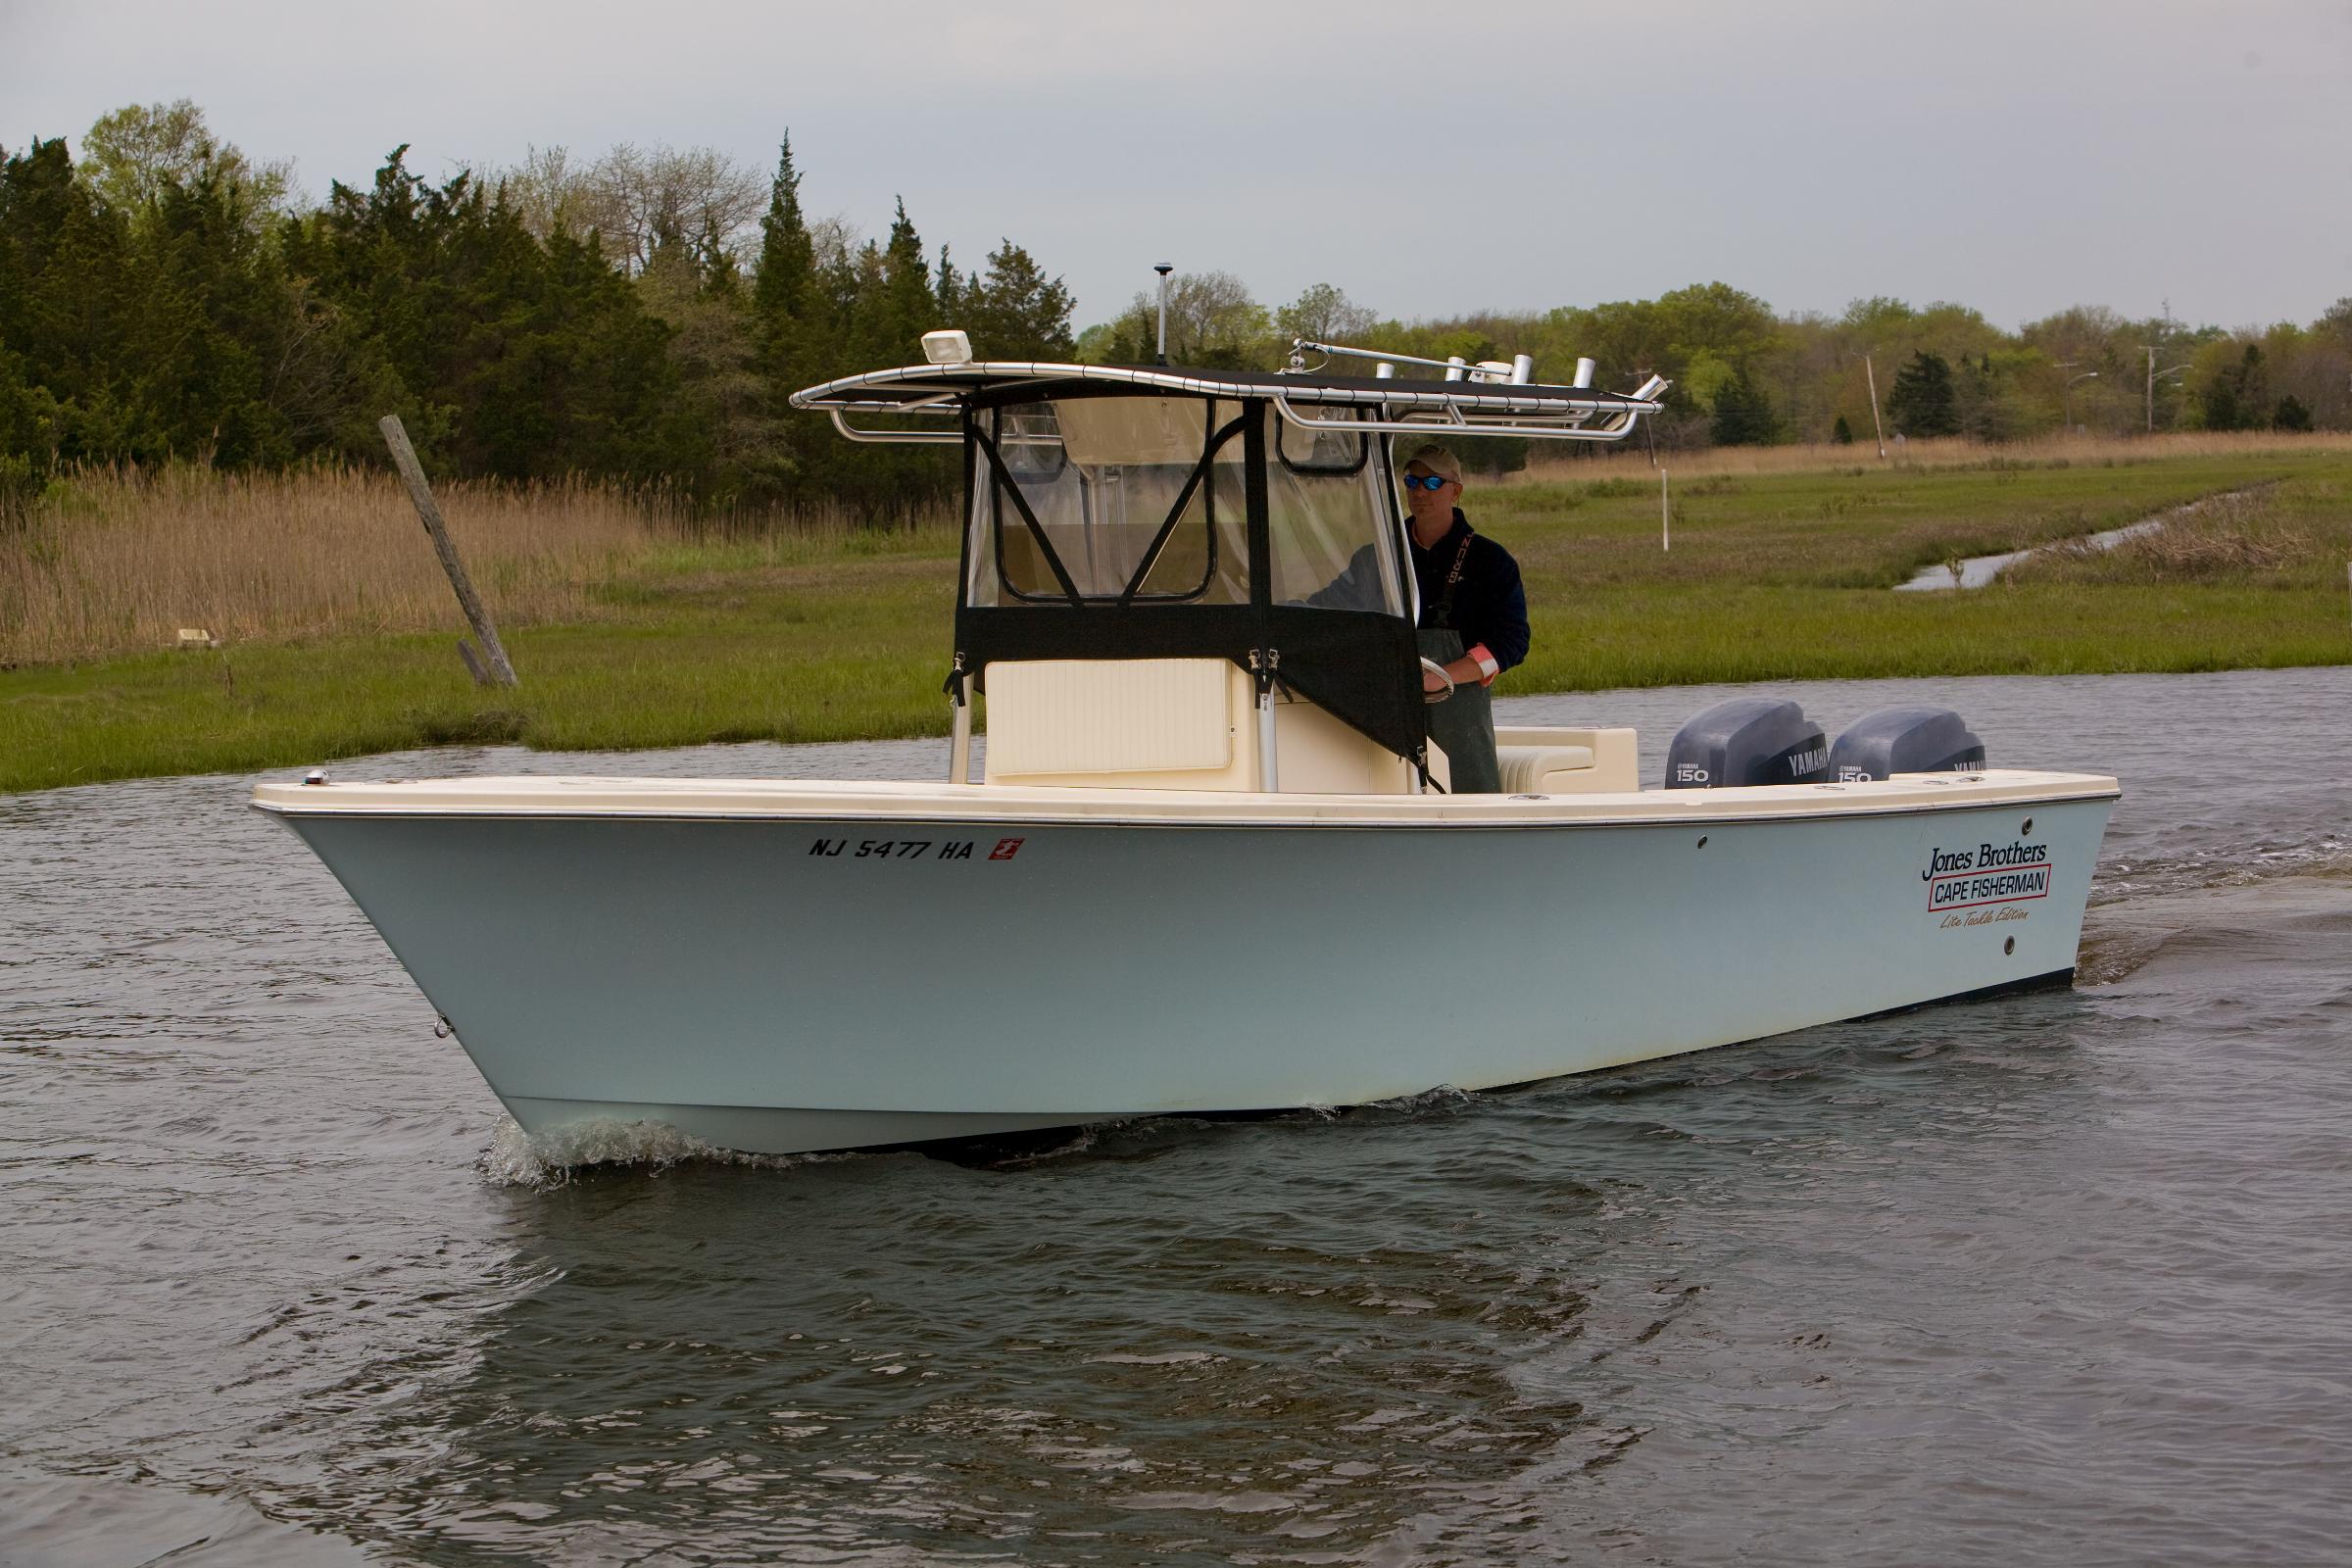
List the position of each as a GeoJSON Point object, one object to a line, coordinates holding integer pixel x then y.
{"type": "Point", "coordinates": [1534, 769]}
{"type": "Point", "coordinates": [1114, 716]}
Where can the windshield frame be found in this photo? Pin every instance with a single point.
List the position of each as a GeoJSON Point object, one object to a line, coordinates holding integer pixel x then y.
{"type": "Point", "coordinates": [1002, 484]}
{"type": "Point", "coordinates": [1356, 660]}
{"type": "Point", "coordinates": [997, 501]}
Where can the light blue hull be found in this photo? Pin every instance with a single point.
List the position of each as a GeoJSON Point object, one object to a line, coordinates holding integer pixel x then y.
{"type": "Point", "coordinates": [759, 983]}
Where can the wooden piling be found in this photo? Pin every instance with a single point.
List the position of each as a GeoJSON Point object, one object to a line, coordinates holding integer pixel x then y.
{"type": "Point", "coordinates": [412, 473]}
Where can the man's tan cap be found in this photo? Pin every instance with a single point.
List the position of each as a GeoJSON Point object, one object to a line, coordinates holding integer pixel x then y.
{"type": "Point", "coordinates": [1437, 461]}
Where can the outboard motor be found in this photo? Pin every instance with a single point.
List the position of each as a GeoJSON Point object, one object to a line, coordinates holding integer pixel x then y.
{"type": "Point", "coordinates": [1748, 740]}
{"type": "Point", "coordinates": [1906, 740]}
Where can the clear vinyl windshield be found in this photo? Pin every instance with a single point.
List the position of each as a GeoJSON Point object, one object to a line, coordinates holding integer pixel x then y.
{"type": "Point", "coordinates": [1144, 500]}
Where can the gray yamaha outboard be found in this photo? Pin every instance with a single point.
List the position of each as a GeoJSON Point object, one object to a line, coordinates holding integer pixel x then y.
{"type": "Point", "coordinates": [1906, 740]}
{"type": "Point", "coordinates": [1748, 740]}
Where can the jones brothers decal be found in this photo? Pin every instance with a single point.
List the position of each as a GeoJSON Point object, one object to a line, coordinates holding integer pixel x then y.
{"type": "Point", "coordinates": [1983, 874]}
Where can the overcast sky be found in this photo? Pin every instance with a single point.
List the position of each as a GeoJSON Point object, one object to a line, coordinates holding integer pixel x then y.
{"type": "Point", "coordinates": [1429, 159]}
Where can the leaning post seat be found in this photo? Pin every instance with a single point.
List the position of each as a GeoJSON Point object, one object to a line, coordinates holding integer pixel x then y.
{"type": "Point", "coordinates": [1165, 724]}
{"type": "Point", "coordinates": [1567, 761]}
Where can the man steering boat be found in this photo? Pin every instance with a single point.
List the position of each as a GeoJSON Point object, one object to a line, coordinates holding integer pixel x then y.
{"type": "Point", "coordinates": [1473, 617]}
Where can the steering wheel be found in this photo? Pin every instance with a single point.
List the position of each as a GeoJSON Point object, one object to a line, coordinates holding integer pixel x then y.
{"type": "Point", "coordinates": [1433, 667]}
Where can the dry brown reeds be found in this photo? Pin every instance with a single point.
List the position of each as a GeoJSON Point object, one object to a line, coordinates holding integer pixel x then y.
{"type": "Point", "coordinates": [2240, 534]}
{"type": "Point", "coordinates": [117, 560]}
{"type": "Point", "coordinates": [1954, 452]}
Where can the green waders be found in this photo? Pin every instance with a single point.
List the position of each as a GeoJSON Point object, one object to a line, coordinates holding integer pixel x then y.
{"type": "Point", "coordinates": [1463, 725]}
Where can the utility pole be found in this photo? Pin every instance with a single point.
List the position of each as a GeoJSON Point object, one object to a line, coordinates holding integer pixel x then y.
{"type": "Point", "coordinates": [2086, 375]}
{"type": "Point", "coordinates": [1873, 378]}
{"type": "Point", "coordinates": [2155, 376]}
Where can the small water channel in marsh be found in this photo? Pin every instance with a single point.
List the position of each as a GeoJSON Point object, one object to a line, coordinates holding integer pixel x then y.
{"type": "Point", "coordinates": [1979, 571]}
{"type": "Point", "coordinates": [2044, 1279]}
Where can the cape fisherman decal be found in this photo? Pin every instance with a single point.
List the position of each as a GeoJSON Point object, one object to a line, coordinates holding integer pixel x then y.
{"type": "Point", "coordinates": [1977, 874]}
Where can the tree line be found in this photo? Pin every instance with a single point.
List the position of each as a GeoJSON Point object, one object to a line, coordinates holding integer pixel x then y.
{"type": "Point", "coordinates": [1744, 375]}
{"type": "Point", "coordinates": [643, 317]}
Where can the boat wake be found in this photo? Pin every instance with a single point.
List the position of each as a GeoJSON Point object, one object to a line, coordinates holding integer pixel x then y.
{"type": "Point", "coordinates": [552, 1158]}
{"type": "Point", "coordinates": [549, 1159]}
{"type": "Point", "coordinates": [1441, 1101]}
{"type": "Point", "coordinates": [2122, 937]}
{"type": "Point", "coordinates": [2130, 880]}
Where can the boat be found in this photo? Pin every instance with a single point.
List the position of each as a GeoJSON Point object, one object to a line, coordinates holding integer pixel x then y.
{"type": "Point", "coordinates": [1210, 863]}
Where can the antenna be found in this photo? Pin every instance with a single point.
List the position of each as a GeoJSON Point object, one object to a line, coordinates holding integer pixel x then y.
{"type": "Point", "coordinates": [1164, 269]}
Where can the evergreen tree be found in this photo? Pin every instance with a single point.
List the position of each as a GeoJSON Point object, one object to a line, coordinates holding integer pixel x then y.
{"type": "Point", "coordinates": [209, 302]}
{"type": "Point", "coordinates": [1744, 415]}
{"type": "Point", "coordinates": [951, 291]}
{"type": "Point", "coordinates": [62, 259]}
{"type": "Point", "coordinates": [723, 443]}
{"type": "Point", "coordinates": [1012, 310]}
{"type": "Point", "coordinates": [2237, 396]}
{"type": "Point", "coordinates": [1923, 401]}
{"type": "Point", "coordinates": [504, 357]}
{"type": "Point", "coordinates": [31, 424]}
{"type": "Point", "coordinates": [792, 332]}
{"type": "Point", "coordinates": [784, 277]}
{"type": "Point", "coordinates": [2291, 415]}
{"type": "Point", "coordinates": [512, 345]}
{"type": "Point", "coordinates": [715, 260]}
{"type": "Point", "coordinates": [906, 308]}
{"type": "Point", "coordinates": [1842, 433]}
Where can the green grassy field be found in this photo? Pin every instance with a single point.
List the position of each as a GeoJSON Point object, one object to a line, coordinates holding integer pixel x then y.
{"type": "Point", "coordinates": [1772, 576]}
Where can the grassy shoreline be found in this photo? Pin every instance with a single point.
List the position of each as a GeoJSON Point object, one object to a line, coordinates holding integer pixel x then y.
{"type": "Point", "coordinates": [1774, 574]}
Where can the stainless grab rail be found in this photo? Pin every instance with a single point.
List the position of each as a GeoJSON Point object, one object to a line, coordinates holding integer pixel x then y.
{"type": "Point", "coordinates": [952, 437]}
{"type": "Point", "coordinates": [1620, 426]}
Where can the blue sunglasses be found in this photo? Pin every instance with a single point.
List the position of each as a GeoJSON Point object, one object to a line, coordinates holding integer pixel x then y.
{"type": "Point", "coordinates": [1425, 481]}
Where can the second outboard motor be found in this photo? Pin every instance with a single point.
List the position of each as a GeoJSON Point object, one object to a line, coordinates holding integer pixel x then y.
{"type": "Point", "coordinates": [1748, 740]}
{"type": "Point", "coordinates": [1906, 740]}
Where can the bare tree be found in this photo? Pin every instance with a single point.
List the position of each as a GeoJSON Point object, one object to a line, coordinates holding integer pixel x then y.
{"type": "Point", "coordinates": [636, 199]}
{"type": "Point", "coordinates": [643, 197]}
{"type": "Point", "coordinates": [834, 241]}
{"type": "Point", "coordinates": [546, 190]}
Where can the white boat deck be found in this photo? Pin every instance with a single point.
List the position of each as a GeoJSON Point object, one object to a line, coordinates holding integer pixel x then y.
{"type": "Point", "coordinates": [940, 802]}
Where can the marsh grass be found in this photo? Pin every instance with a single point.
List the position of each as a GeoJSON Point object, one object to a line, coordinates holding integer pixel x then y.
{"type": "Point", "coordinates": [116, 560]}
{"type": "Point", "coordinates": [1942, 453]}
{"type": "Point", "coordinates": [631, 628]}
{"type": "Point", "coordinates": [2295, 534]}
{"type": "Point", "coordinates": [1838, 527]}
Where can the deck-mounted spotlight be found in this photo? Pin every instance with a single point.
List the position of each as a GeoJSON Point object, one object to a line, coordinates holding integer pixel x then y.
{"type": "Point", "coordinates": [948, 347]}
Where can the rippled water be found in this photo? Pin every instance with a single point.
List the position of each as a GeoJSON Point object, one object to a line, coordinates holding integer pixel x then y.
{"type": "Point", "coordinates": [2059, 1279]}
